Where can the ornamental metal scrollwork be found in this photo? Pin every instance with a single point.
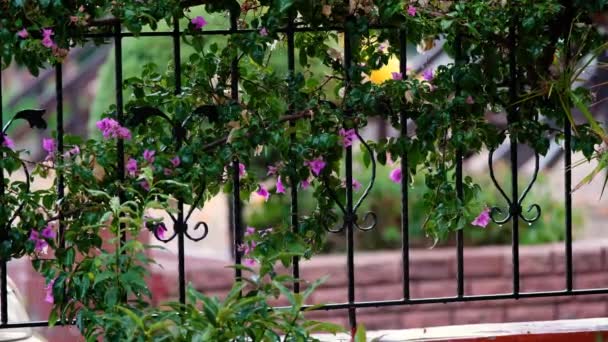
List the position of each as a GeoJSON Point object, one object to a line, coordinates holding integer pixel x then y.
{"type": "Point", "coordinates": [514, 209]}
{"type": "Point", "coordinates": [180, 223]}
{"type": "Point", "coordinates": [370, 219]}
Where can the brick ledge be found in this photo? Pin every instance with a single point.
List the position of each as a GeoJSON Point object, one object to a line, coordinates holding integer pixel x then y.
{"type": "Point", "coordinates": [580, 330]}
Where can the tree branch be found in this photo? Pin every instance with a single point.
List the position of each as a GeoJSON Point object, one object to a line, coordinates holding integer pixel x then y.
{"type": "Point", "coordinates": [293, 117]}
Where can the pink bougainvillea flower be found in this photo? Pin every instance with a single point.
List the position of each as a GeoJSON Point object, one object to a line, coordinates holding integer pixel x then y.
{"type": "Point", "coordinates": [33, 235]}
{"type": "Point", "coordinates": [305, 184]}
{"type": "Point", "coordinates": [348, 136]}
{"type": "Point", "coordinates": [149, 155]}
{"type": "Point", "coordinates": [280, 186]}
{"type": "Point", "coordinates": [39, 244]}
{"type": "Point", "coordinates": [483, 219]}
{"type": "Point", "coordinates": [470, 100]}
{"type": "Point", "coordinates": [249, 231]}
{"type": "Point", "coordinates": [272, 170]}
{"type": "Point", "coordinates": [123, 133]}
{"type": "Point", "coordinates": [199, 22]}
{"type": "Point", "coordinates": [242, 170]}
{"type": "Point", "coordinates": [48, 232]}
{"type": "Point", "coordinates": [110, 128]}
{"type": "Point", "coordinates": [7, 142]}
{"type": "Point", "coordinates": [105, 125]}
{"type": "Point", "coordinates": [316, 165]}
{"type": "Point", "coordinates": [262, 191]}
{"type": "Point", "coordinates": [167, 171]}
{"type": "Point", "coordinates": [356, 185]}
{"type": "Point", "coordinates": [249, 262]}
{"type": "Point", "coordinates": [131, 167]}
{"type": "Point", "coordinates": [176, 161]}
{"type": "Point", "coordinates": [263, 32]}
{"type": "Point", "coordinates": [49, 145]}
{"type": "Point", "coordinates": [144, 184]}
{"type": "Point", "coordinates": [411, 10]}
{"type": "Point", "coordinates": [74, 151]}
{"type": "Point", "coordinates": [23, 33]}
{"type": "Point", "coordinates": [428, 75]}
{"type": "Point", "coordinates": [396, 175]}
{"type": "Point", "coordinates": [47, 41]}
{"type": "Point", "coordinates": [397, 76]}
{"type": "Point", "coordinates": [247, 248]}
{"type": "Point", "coordinates": [49, 298]}
{"type": "Point", "coordinates": [160, 230]}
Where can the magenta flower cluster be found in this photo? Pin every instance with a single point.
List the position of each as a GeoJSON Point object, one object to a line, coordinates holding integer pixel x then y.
{"type": "Point", "coordinates": [47, 41]}
{"type": "Point", "coordinates": [263, 192]}
{"type": "Point", "coordinates": [110, 128]}
{"type": "Point", "coordinates": [316, 165]}
{"type": "Point", "coordinates": [40, 239]}
{"type": "Point", "coordinates": [199, 22]}
{"type": "Point", "coordinates": [348, 136]}
{"type": "Point", "coordinates": [49, 145]}
{"type": "Point", "coordinates": [483, 219]}
{"type": "Point", "coordinates": [48, 289]}
{"type": "Point", "coordinates": [396, 175]}
{"type": "Point", "coordinates": [248, 247]}
{"type": "Point", "coordinates": [6, 141]}
{"type": "Point", "coordinates": [411, 10]}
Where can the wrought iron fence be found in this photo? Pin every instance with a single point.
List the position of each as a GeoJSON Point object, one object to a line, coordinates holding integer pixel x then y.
{"type": "Point", "coordinates": [513, 211]}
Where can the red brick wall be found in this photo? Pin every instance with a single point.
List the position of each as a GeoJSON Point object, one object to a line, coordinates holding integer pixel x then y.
{"type": "Point", "coordinates": [378, 277]}
{"type": "Point", "coordinates": [488, 270]}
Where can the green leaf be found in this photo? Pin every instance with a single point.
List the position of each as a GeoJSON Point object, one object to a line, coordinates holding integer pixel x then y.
{"type": "Point", "coordinates": [132, 315]}
{"type": "Point", "coordinates": [69, 257]}
{"type": "Point", "coordinates": [284, 5]}
{"type": "Point", "coordinates": [325, 327]}
{"type": "Point", "coordinates": [285, 292]}
{"type": "Point", "coordinates": [595, 126]}
{"type": "Point", "coordinates": [361, 335]}
{"type": "Point", "coordinates": [313, 287]}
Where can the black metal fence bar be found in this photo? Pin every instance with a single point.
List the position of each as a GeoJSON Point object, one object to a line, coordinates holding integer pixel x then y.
{"type": "Point", "coordinates": [405, 174]}
{"type": "Point", "coordinates": [568, 171]}
{"type": "Point", "coordinates": [349, 215]}
{"type": "Point", "coordinates": [120, 116]}
{"type": "Point", "coordinates": [181, 224]}
{"type": "Point", "coordinates": [512, 118]}
{"type": "Point", "coordinates": [291, 66]}
{"type": "Point", "coordinates": [60, 147]}
{"type": "Point", "coordinates": [237, 214]}
{"type": "Point", "coordinates": [454, 299]}
{"type": "Point", "coordinates": [459, 185]}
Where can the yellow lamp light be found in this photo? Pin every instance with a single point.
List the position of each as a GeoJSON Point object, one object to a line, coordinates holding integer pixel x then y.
{"type": "Point", "coordinates": [385, 73]}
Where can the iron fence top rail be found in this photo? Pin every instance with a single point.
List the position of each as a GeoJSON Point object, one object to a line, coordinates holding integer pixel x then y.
{"type": "Point", "coordinates": [227, 31]}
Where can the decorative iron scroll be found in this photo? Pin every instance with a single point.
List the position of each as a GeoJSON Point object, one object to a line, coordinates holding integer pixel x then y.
{"type": "Point", "coordinates": [514, 207]}
{"type": "Point", "coordinates": [370, 219]}
{"type": "Point", "coordinates": [180, 224]}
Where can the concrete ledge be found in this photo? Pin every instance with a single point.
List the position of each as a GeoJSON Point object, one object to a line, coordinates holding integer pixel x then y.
{"type": "Point", "coordinates": [582, 330]}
